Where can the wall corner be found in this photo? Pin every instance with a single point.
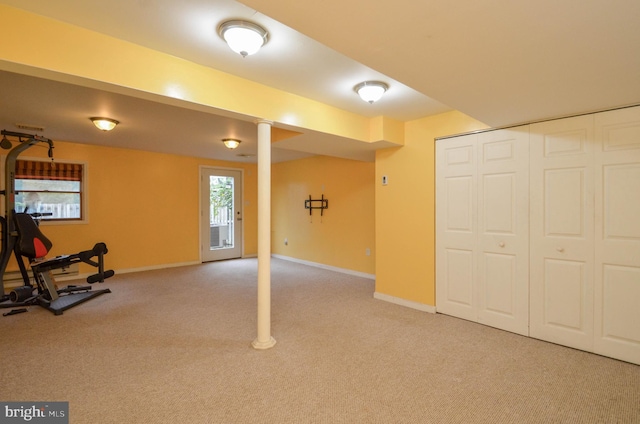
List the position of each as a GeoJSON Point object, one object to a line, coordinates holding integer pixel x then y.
{"type": "Point", "coordinates": [387, 130]}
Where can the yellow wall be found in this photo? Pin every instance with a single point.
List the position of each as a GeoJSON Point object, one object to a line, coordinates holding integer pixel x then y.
{"type": "Point", "coordinates": [340, 237]}
{"type": "Point", "coordinates": [148, 215]}
{"type": "Point", "coordinates": [405, 208]}
{"type": "Point", "coordinates": [144, 206]}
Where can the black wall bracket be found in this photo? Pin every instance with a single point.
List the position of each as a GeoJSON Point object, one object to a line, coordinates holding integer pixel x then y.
{"type": "Point", "coordinates": [312, 204]}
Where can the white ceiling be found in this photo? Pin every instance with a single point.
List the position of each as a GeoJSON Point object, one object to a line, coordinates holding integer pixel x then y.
{"type": "Point", "coordinates": [502, 62]}
{"type": "Point", "coordinates": [499, 61]}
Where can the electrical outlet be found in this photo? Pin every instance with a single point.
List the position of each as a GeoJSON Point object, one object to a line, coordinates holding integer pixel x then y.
{"type": "Point", "coordinates": [286, 241]}
{"type": "Point", "coordinates": [368, 252]}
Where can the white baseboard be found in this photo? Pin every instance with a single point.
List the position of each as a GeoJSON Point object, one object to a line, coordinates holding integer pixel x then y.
{"type": "Point", "coordinates": [403, 302]}
{"type": "Point", "coordinates": [327, 267]}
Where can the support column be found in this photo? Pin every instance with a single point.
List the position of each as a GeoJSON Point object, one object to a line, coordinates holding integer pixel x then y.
{"type": "Point", "coordinates": [264, 339]}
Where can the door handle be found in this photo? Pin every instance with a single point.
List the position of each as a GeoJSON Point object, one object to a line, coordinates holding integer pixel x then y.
{"type": "Point", "coordinates": [560, 249]}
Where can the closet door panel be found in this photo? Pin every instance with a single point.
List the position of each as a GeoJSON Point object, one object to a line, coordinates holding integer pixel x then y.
{"type": "Point", "coordinates": [503, 229]}
{"type": "Point", "coordinates": [562, 258]}
{"type": "Point", "coordinates": [619, 207]}
{"type": "Point", "coordinates": [564, 310]}
{"type": "Point", "coordinates": [499, 274]}
{"type": "Point", "coordinates": [459, 282]}
{"type": "Point", "coordinates": [617, 282]}
{"type": "Point", "coordinates": [456, 227]}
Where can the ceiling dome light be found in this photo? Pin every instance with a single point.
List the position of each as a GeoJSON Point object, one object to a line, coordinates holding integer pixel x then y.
{"type": "Point", "coordinates": [244, 38]}
{"type": "Point", "coordinates": [371, 91]}
{"type": "Point", "coordinates": [231, 143]}
{"type": "Point", "coordinates": [104, 124]}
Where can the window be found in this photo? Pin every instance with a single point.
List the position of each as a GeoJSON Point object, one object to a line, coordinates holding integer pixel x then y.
{"type": "Point", "coordinates": [51, 188]}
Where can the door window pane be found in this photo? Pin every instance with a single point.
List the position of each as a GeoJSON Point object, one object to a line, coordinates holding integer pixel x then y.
{"type": "Point", "coordinates": [221, 212]}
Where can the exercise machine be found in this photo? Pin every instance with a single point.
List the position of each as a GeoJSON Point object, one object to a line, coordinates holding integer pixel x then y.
{"type": "Point", "coordinates": [33, 245]}
{"type": "Point", "coordinates": [21, 236]}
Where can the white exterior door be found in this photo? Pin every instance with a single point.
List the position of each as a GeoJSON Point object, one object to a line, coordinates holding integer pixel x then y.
{"type": "Point", "coordinates": [562, 244]}
{"type": "Point", "coordinates": [221, 214]}
{"type": "Point", "coordinates": [617, 240]}
{"type": "Point", "coordinates": [482, 228]}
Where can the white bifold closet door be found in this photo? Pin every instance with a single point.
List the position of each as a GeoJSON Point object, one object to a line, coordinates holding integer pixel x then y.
{"type": "Point", "coordinates": [585, 233]}
{"type": "Point", "coordinates": [562, 240]}
{"type": "Point", "coordinates": [562, 265]}
{"type": "Point", "coordinates": [482, 243]}
{"type": "Point", "coordinates": [617, 235]}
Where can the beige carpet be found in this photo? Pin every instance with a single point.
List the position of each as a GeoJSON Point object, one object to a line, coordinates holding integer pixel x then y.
{"type": "Point", "coordinates": [173, 346]}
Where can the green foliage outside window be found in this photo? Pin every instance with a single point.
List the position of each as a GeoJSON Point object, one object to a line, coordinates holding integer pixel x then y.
{"type": "Point", "coordinates": [221, 193]}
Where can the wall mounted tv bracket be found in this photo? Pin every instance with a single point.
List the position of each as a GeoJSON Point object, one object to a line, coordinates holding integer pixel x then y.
{"type": "Point", "coordinates": [312, 204]}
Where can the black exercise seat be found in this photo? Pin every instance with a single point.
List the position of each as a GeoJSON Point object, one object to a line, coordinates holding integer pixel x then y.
{"type": "Point", "coordinates": [34, 245]}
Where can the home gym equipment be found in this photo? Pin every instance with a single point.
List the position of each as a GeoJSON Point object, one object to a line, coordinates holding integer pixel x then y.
{"type": "Point", "coordinates": [21, 236]}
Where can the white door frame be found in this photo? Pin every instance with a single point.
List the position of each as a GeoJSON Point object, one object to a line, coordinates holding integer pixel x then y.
{"type": "Point", "coordinates": [238, 202]}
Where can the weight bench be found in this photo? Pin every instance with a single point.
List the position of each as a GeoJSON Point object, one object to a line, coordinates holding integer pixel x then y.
{"type": "Point", "coordinates": [34, 246]}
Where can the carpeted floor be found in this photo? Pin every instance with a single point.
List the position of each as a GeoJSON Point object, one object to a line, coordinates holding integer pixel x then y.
{"type": "Point", "coordinates": [173, 346]}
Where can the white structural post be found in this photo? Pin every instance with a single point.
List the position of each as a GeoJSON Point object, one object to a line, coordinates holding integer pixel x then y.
{"type": "Point", "coordinates": [264, 339]}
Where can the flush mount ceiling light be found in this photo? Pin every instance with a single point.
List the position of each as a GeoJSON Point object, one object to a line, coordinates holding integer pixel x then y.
{"type": "Point", "coordinates": [231, 143]}
{"type": "Point", "coordinates": [104, 124]}
{"type": "Point", "coordinates": [371, 91]}
{"type": "Point", "coordinates": [244, 38]}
